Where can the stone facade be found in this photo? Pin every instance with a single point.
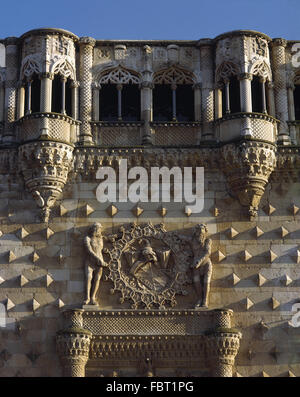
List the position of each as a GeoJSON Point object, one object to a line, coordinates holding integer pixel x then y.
{"type": "Point", "coordinates": [148, 325]}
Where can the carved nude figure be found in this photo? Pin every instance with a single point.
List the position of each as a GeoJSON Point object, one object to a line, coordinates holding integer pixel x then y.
{"type": "Point", "coordinates": [201, 266]}
{"type": "Point", "coordinates": [94, 262]}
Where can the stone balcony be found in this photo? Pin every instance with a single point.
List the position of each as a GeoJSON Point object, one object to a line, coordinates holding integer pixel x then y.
{"type": "Point", "coordinates": [117, 133]}
{"type": "Point", "coordinates": [53, 126]}
{"type": "Point", "coordinates": [255, 125]}
{"type": "Point", "coordinates": [176, 133]}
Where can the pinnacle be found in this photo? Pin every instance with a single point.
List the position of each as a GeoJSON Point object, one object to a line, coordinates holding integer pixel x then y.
{"type": "Point", "coordinates": [62, 210]}
{"type": "Point", "coordinates": [248, 303]}
{"type": "Point", "coordinates": [283, 231]}
{"type": "Point", "coordinates": [269, 209]}
{"type": "Point", "coordinates": [137, 211]}
{"type": "Point", "coordinates": [232, 233]}
{"type": "Point", "coordinates": [274, 303]}
{"type": "Point", "coordinates": [22, 233]}
{"type": "Point", "coordinates": [49, 280]}
{"type": "Point", "coordinates": [88, 210]}
{"type": "Point", "coordinates": [49, 233]}
{"type": "Point", "coordinates": [272, 256]}
{"type": "Point", "coordinates": [9, 304]}
{"type": "Point", "coordinates": [258, 231]}
{"type": "Point", "coordinates": [261, 280]}
{"type": "Point", "coordinates": [188, 211]}
{"type": "Point", "coordinates": [60, 303]}
{"type": "Point", "coordinates": [112, 210]}
{"type": "Point", "coordinates": [286, 280]}
{"type": "Point", "coordinates": [23, 280]}
{"type": "Point", "coordinates": [234, 279]}
{"type": "Point", "coordinates": [35, 304]}
{"type": "Point", "coordinates": [35, 257]}
{"type": "Point", "coordinates": [11, 256]}
{"type": "Point", "coordinates": [246, 256]}
{"type": "Point", "coordinates": [162, 211]}
{"type": "Point", "coordinates": [220, 256]}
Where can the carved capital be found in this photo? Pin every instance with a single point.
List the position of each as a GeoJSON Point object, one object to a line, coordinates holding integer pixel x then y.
{"type": "Point", "coordinates": [74, 318]}
{"type": "Point", "coordinates": [74, 84]}
{"type": "Point", "coordinates": [11, 41]}
{"type": "Point", "coordinates": [222, 347]}
{"type": "Point", "coordinates": [46, 75]}
{"type": "Point", "coordinates": [73, 347]}
{"type": "Point", "coordinates": [147, 50]}
{"type": "Point", "coordinates": [96, 86]}
{"type": "Point", "coordinates": [146, 84]}
{"type": "Point", "coordinates": [279, 42]}
{"type": "Point", "coordinates": [197, 86]}
{"type": "Point", "coordinates": [88, 41]}
{"type": "Point", "coordinates": [245, 76]}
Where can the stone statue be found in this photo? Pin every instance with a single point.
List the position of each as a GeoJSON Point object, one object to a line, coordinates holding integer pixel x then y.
{"type": "Point", "coordinates": [94, 262]}
{"type": "Point", "coordinates": [201, 266]}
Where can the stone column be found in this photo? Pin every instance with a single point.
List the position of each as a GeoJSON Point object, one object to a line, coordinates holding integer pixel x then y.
{"type": "Point", "coordinates": [73, 349]}
{"type": "Point", "coordinates": [197, 101]}
{"type": "Point", "coordinates": [86, 62]}
{"type": "Point", "coordinates": [46, 92]}
{"type": "Point", "coordinates": [271, 100]}
{"type": "Point", "coordinates": [146, 110]}
{"type": "Point", "coordinates": [174, 110]}
{"type": "Point", "coordinates": [21, 100]}
{"type": "Point", "coordinates": [207, 89]}
{"type": "Point", "coordinates": [63, 94]}
{"type": "Point", "coordinates": [227, 97]}
{"type": "Point", "coordinates": [292, 116]}
{"type": "Point", "coordinates": [222, 347]}
{"type": "Point", "coordinates": [218, 101]}
{"type": "Point", "coordinates": [11, 82]}
{"type": "Point", "coordinates": [2, 95]}
{"type": "Point", "coordinates": [73, 344]}
{"type": "Point", "coordinates": [263, 94]}
{"type": "Point", "coordinates": [75, 86]}
{"type": "Point", "coordinates": [279, 71]}
{"type": "Point", "coordinates": [119, 88]}
{"type": "Point", "coordinates": [28, 96]}
{"type": "Point", "coordinates": [96, 99]}
{"type": "Point", "coordinates": [245, 92]}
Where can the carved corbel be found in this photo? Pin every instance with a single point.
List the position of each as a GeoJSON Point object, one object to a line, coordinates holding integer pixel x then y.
{"type": "Point", "coordinates": [45, 166]}
{"type": "Point", "coordinates": [247, 167]}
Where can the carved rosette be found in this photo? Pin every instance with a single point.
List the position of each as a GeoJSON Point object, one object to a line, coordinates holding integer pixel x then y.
{"type": "Point", "coordinates": [222, 347]}
{"type": "Point", "coordinates": [45, 166]}
{"type": "Point", "coordinates": [73, 346]}
{"type": "Point", "coordinates": [145, 284]}
{"type": "Point", "coordinates": [247, 168]}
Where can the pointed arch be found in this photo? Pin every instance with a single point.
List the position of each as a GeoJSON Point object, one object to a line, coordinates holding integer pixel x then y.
{"type": "Point", "coordinates": [174, 75]}
{"type": "Point", "coordinates": [30, 67]}
{"type": "Point", "coordinates": [64, 68]}
{"type": "Point", "coordinates": [261, 69]}
{"type": "Point", "coordinates": [226, 70]}
{"type": "Point", "coordinates": [118, 75]}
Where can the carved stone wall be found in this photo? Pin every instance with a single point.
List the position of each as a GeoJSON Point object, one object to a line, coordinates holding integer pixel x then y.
{"type": "Point", "coordinates": [146, 323]}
